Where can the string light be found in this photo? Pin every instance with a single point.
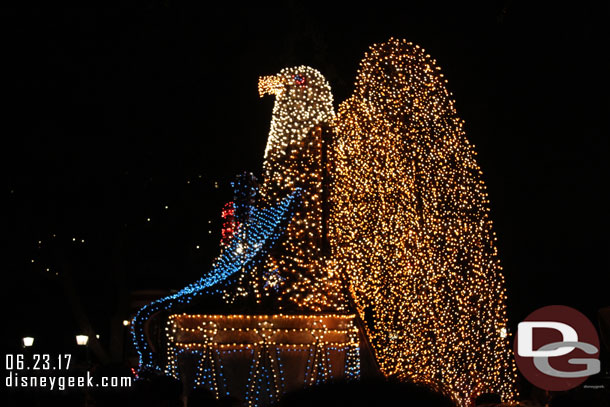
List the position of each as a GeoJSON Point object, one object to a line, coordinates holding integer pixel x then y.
{"type": "Point", "coordinates": [267, 343]}
{"type": "Point", "coordinates": [253, 237]}
{"type": "Point", "coordinates": [229, 225]}
{"type": "Point", "coordinates": [392, 207]}
{"type": "Point", "coordinates": [294, 157]}
{"type": "Point", "coordinates": [410, 229]}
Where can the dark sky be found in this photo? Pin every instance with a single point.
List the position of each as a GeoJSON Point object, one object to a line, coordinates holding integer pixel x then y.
{"type": "Point", "coordinates": [111, 114]}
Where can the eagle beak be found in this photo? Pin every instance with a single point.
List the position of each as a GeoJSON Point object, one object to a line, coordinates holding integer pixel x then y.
{"type": "Point", "coordinates": [270, 85]}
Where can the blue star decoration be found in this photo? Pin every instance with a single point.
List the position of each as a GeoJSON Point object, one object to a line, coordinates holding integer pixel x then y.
{"type": "Point", "coordinates": [273, 279]}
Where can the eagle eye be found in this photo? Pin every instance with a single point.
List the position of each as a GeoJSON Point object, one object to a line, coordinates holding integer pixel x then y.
{"type": "Point", "coordinates": [299, 80]}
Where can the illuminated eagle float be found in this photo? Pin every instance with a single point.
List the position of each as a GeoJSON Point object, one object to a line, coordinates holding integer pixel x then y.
{"type": "Point", "coordinates": [392, 223]}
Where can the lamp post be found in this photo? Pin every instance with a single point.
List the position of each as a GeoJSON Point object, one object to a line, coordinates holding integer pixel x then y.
{"type": "Point", "coordinates": [27, 341]}
{"type": "Point", "coordinates": [83, 340]}
{"type": "Point", "coordinates": [124, 336]}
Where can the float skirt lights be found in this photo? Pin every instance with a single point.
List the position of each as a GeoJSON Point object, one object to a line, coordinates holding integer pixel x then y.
{"type": "Point", "coordinates": [258, 358]}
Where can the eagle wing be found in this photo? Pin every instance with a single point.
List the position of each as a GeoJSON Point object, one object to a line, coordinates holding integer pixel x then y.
{"type": "Point", "coordinates": [410, 228]}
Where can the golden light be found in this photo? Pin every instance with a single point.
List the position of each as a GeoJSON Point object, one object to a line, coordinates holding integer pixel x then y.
{"type": "Point", "coordinates": [410, 229]}
{"type": "Point", "coordinates": [270, 85]}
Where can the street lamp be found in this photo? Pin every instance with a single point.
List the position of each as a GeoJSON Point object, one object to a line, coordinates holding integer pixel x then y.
{"type": "Point", "coordinates": [82, 340]}
{"type": "Point", "coordinates": [27, 341]}
{"type": "Point", "coordinates": [125, 322]}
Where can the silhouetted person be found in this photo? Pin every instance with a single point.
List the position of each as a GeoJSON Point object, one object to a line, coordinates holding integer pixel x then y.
{"type": "Point", "coordinates": [366, 393]}
{"type": "Point", "coordinates": [228, 401]}
{"type": "Point", "coordinates": [201, 397]}
{"type": "Point", "coordinates": [488, 399]}
{"type": "Point", "coordinates": [158, 391]}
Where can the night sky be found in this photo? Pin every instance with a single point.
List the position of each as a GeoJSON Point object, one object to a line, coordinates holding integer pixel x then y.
{"type": "Point", "coordinates": [112, 114]}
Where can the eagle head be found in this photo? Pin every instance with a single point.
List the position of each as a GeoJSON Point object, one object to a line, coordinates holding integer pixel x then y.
{"type": "Point", "coordinates": [303, 99]}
